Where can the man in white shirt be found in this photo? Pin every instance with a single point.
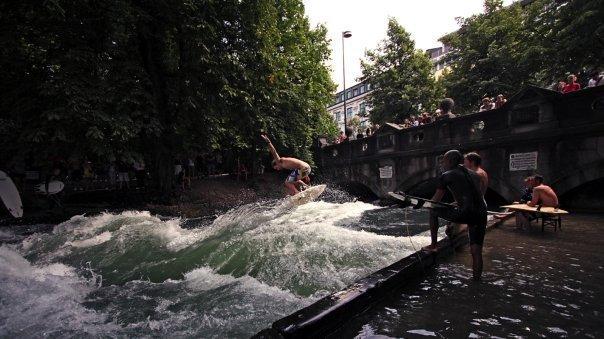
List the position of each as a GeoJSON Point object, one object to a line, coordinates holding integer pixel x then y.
{"type": "Point", "coordinates": [596, 79]}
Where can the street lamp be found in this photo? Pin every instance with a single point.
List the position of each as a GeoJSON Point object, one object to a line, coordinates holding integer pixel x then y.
{"type": "Point", "coordinates": [345, 34]}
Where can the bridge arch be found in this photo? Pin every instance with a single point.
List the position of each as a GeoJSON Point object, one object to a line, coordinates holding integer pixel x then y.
{"type": "Point", "coordinates": [359, 189]}
{"type": "Point", "coordinates": [588, 173]}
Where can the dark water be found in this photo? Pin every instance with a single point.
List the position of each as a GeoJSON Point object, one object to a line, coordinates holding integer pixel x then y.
{"type": "Point", "coordinates": [535, 285]}
{"type": "Point", "coordinates": [134, 274]}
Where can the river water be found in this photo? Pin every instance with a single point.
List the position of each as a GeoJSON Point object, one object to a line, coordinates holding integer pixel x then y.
{"type": "Point", "coordinates": [133, 274]}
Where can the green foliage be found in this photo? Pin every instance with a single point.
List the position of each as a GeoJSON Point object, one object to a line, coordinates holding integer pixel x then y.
{"type": "Point", "coordinates": [401, 77]}
{"type": "Point", "coordinates": [116, 79]}
{"type": "Point", "coordinates": [507, 48]}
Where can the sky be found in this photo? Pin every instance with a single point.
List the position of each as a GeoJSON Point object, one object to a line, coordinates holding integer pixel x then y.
{"type": "Point", "coordinates": [426, 20]}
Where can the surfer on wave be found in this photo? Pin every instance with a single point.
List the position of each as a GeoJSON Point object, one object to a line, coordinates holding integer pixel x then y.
{"type": "Point", "coordinates": [298, 179]}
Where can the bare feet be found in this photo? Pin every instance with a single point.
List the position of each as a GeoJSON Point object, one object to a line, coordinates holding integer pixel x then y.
{"type": "Point", "coordinates": [430, 248]}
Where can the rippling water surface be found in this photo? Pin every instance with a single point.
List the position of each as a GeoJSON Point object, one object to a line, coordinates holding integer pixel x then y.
{"type": "Point", "coordinates": [136, 274]}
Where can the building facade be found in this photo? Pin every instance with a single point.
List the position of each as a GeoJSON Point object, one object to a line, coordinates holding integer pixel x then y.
{"type": "Point", "coordinates": [356, 106]}
{"type": "Point", "coordinates": [438, 57]}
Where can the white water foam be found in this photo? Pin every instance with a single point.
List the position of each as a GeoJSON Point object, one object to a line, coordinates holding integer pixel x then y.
{"type": "Point", "coordinates": [44, 300]}
{"type": "Point", "coordinates": [251, 266]}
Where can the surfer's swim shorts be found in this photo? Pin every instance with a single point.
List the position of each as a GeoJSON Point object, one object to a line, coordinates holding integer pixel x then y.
{"type": "Point", "coordinates": [298, 174]}
{"type": "Point", "coordinates": [477, 223]}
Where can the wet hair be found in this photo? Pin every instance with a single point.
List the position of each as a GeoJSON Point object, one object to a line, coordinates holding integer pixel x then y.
{"type": "Point", "coordinates": [446, 105]}
{"type": "Point", "coordinates": [538, 178]}
{"type": "Point", "coordinates": [454, 156]}
{"type": "Point", "coordinates": [474, 158]}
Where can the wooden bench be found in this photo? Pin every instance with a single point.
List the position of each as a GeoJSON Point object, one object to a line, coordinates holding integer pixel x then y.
{"type": "Point", "coordinates": [550, 216]}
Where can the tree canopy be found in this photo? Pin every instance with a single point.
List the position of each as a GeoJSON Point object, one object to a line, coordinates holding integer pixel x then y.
{"type": "Point", "coordinates": [506, 48]}
{"type": "Point", "coordinates": [124, 79]}
{"type": "Point", "coordinates": [401, 77]}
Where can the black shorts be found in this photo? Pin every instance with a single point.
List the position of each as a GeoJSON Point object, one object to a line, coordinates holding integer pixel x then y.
{"type": "Point", "coordinates": [477, 222]}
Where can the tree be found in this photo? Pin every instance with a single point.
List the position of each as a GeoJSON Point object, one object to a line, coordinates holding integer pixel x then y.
{"type": "Point", "coordinates": [486, 51]}
{"type": "Point", "coordinates": [401, 77]}
{"type": "Point", "coordinates": [121, 79]}
{"type": "Point", "coordinates": [507, 48]}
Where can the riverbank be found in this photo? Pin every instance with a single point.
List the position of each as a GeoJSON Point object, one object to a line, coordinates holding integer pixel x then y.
{"type": "Point", "coordinates": [206, 197]}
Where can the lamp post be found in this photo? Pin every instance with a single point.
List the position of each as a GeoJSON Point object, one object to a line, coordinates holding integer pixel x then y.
{"type": "Point", "coordinates": [345, 34]}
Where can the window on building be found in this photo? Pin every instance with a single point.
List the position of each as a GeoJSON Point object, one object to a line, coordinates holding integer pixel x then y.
{"type": "Point", "coordinates": [347, 94]}
{"type": "Point", "coordinates": [362, 89]}
{"type": "Point", "coordinates": [354, 92]}
{"type": "Point", "coordinates": [338, 116]}
{"type": "Point", "coordinates": [342, 97]}
{"type": "Point", "coordinates": [349, 112]}
{"type": "Point", "coordinates": [362, 109]}
{"type": "Point", "coordinates": [368, 87]}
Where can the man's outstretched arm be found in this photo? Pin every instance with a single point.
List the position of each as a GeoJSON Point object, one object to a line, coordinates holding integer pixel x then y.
{"type": "Point", "coordinates": [271, 148]}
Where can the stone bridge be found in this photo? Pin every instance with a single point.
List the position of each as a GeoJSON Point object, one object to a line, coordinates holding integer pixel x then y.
{"type": "Point", "coordinates": [560, 136]}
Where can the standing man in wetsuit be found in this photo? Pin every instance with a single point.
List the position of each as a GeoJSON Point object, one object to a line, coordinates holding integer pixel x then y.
{"type": "Point", "coordinates": [298, 179]}
{"type": "Point", "coordinates": [471, 208]}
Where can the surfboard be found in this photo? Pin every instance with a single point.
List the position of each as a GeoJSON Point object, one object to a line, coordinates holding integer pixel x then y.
{"type": "Point", "coordinates": [10, 196]}
{"type": "Point", "coordinates": [307, 195]}
{"type": "Point", "coordinates": [417, 202]}
{"type": "Point", "coordinates": [527, 208]}
{"type": "Point", "coordinates": [54, 187]}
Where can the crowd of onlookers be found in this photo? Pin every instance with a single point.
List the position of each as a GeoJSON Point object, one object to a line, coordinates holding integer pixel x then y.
{"type": "Point", "coordinates": [571, 85]}
{"type": "Point", "coordinates": [445, 110]}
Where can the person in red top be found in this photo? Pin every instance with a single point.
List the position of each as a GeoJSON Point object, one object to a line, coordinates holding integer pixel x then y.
{"type": "Point", "coordinates": [572, 84]}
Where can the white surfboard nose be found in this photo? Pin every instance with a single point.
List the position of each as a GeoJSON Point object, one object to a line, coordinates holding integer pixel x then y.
{"type": "Point", "coordinates": [10, 196]}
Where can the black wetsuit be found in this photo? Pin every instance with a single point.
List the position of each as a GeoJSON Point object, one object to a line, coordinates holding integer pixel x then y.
{"type": "Point", "coordinates": [471, 208]}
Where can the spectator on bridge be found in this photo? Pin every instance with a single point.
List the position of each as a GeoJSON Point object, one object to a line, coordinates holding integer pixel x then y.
{"type": "Point", "coordinates": [487, 105]}
{"type": "Point", "coordinates": [501, 100]}
{"type": "Point", "coordinates": [406, 123]}
{"type": "Point", "coordinates": [425, 118]}
{"type": "Point", "coordinates": [559, 87]}
{"type": "Point", "coordinates": [341, 138]}
{"type": "Point", "coordinates": [446, 109]}
{"type": "Point", "coordinates": [414, 121]}
{"type": "Point", "coordinates": [572, 85]}
{"type": "Point", "coordinates": [368, 132]}
{"type": "Point", "coordinates": [596, 79]}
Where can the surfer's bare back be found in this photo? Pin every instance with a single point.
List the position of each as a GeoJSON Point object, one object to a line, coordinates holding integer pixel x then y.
{"type": "Point", "coordinates": [298, 178]}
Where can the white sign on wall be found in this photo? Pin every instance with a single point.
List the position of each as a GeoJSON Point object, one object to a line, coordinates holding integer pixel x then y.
{"type": "Point", "coordinates": [523, 161]}
{"type": "Point", "coordinates": [386, 172]}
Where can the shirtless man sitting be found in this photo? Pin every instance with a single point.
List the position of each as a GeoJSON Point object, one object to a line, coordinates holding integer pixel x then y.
{"type": "Point", "coordinates": [298, 179]}
{"type": "Point", "coordinates": [543, 196]}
